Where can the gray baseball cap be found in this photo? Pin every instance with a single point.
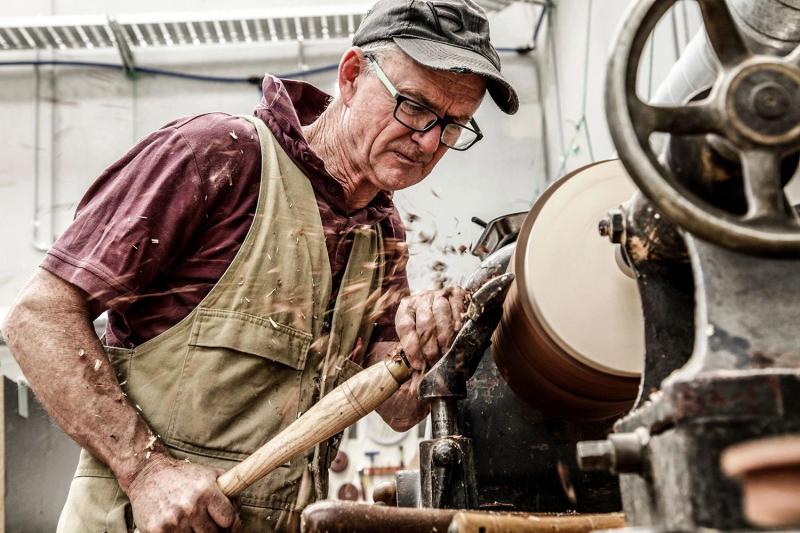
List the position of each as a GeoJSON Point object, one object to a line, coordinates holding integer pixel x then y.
{"type": "Point", "coordinates": [450, 35]}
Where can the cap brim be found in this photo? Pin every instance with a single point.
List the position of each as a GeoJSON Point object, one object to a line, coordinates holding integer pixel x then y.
{"type": "Point", "coordinates": [441, 56]}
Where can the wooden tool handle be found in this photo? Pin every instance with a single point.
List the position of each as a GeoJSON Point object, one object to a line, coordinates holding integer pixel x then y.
{"type": "Point", "coordinates": [470, 521]}
{"type": "Point", "coordinates": [345, 404]}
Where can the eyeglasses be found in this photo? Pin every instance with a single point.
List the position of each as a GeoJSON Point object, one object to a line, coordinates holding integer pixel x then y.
{"type": "Point", "coordinates": [418, 117]}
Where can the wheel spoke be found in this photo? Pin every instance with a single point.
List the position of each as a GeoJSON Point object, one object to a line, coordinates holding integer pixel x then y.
{"type": "Point", "coordinates": [722, 33]}
{"type": "Point", "coordinates": [762, 184]}
{"type": "Point", "coordinates": [690, 119]}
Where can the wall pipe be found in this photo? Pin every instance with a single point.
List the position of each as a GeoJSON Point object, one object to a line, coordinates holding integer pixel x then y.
{"type": "Point", "coordinates": [767, 25]}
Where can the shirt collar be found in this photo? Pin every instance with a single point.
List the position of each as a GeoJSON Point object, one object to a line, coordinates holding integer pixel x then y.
{"type": "Point", "coordinates": [288, 105]}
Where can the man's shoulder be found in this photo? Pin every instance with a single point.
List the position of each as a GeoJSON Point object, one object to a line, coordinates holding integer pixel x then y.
{"type": "Point", "coordinates": [213, 126]}
{"type": "Point", "coordinates": [220, 143]}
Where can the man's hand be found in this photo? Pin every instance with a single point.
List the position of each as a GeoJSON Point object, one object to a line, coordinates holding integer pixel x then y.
{"type": "Point", "coordinates": [427, 322]}
{"type": "Point", "coordinates": [169, 495]}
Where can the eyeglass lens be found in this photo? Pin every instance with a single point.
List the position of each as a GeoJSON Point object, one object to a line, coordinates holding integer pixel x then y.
{"type": "Point", "coordinates": [420, 118]}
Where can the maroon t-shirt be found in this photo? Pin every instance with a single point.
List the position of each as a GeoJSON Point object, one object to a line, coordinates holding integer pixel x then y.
{"type": "Point", "coordinates": [158, 228]}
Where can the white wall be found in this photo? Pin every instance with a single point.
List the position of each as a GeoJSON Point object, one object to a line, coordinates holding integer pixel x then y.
{"type": "Point", "coordinates": [573, 51]}
{"type": "Point", "coordinates": [67, 125]}
{"type": "Point", "coordinates": [82, 120]}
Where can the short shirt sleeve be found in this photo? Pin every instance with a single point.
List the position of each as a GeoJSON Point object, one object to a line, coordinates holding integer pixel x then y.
{"type": "Point", "coordinates": [133, 220]}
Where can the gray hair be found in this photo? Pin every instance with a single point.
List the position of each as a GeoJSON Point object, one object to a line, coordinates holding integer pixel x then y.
{"type": "Point", "coordinates": [380, 50]}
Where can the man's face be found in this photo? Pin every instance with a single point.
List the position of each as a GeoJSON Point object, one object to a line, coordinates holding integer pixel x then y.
{"type": "Point", "coordinates": [391, 156]}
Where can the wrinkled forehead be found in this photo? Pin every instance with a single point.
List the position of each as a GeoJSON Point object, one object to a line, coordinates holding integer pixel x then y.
{"type": "Point", "coordinates": [459, 93]}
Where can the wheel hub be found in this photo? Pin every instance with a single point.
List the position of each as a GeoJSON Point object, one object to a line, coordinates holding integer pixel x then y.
{"type": "Point", "coordinates": [764, 103]}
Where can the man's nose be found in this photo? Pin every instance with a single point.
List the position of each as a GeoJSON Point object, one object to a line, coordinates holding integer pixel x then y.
{"type": "Point", "coordinates": [428, 141]}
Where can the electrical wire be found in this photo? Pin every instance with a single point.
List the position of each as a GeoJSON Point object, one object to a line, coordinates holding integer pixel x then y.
{"type": "Point", "coordinates": [252, 80]}
{"type": "Point", "coordinates": [551, 39]}
{"type": "Point", "coordinates": [581, 126]}
{"type": "Point", "coordinates": [586, 80]}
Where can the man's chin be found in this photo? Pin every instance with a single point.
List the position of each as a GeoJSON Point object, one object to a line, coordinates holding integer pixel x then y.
{"type": "Point", "coordinates": [396, 179]}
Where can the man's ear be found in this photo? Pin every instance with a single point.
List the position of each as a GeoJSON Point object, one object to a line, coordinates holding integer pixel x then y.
{"type": "Point", "coordinates": [350, 73]}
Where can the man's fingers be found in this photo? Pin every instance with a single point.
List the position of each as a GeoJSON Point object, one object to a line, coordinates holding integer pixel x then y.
{"type": "Point", "coordinates": [458, 306]}
{"type": "Point", "coordinates": [406, 326]}
{"type": "Point", "coordinates": [443, 316]}
{"type": "Point", "coordinates": [222, 511]}
{"type": "Point", "coordinates": [426, 326]}
{"type": "Point", "coordinates": [204, 524]}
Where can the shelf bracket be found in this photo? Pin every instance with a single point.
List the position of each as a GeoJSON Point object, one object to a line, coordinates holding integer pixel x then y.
{"type": "Point", "coordinates": [123, 47]}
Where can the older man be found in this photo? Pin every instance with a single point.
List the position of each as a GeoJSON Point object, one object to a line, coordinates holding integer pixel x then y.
{"type": "Point", "coordinates": [248, 264]}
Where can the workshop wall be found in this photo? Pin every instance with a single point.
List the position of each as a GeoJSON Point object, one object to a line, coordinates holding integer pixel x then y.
{"type": "Point", "coordinates": [573, 49]}
{"type": "Point", "coordinates": [64, 126]}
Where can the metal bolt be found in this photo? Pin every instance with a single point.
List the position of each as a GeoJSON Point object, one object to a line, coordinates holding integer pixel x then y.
{"type": "Point", "coordinates": [596, 455]}
{"type": "Point", "coordinates": [616, 221]}
{"type": "Point", "coordinates": [621, 453]}
{"type": "Point", "coordinates": [613, 226]}
{"type": "Point", "coordinates": [446, 453]}
{"type": "Point", "coordinates": [604, 227]}
{"type": "Point", "coordinates": [629, 450]}
{"type": "Point", "coordinates": [770, 100]}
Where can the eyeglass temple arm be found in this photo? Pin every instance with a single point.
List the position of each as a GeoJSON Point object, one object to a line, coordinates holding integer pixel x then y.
{"type": "Point", "coordinates": [381, 76]}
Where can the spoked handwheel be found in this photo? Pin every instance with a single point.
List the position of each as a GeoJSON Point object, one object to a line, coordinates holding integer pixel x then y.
{"type": "Point", "coordinates": [754, 104]}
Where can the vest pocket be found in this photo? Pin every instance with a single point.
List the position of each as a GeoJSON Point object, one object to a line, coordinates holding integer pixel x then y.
{"type": "Point", "coordinates": [240, 383]}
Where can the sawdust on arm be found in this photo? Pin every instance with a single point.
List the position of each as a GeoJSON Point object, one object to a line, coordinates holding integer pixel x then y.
{"type": "Point", "coordinates": [51, 335]}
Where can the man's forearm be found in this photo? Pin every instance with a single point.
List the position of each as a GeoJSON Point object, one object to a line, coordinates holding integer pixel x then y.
{"type": "Point", "coordinates": [403, 410]}
{"type": "Point", "coordinates": [50, 334]}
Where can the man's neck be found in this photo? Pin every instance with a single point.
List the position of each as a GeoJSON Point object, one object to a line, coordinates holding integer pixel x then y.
{"type": "Point", "coordinates": [329, 142]}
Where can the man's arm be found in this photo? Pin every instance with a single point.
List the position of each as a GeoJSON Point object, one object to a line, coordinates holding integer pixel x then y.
{"type": "Point", "coordinates": [426, 324]}
{"type": "Point", "coordinates": [49, 331]}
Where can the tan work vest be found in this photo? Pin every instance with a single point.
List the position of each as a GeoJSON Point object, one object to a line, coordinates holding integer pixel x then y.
{"type": "Point", "coordinates": [250, 358]}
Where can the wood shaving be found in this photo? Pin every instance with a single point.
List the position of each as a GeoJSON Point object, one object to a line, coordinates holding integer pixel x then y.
{"type": "Point", "coordinates": [272, 323]}
{"type": "Point", "coordinates": [426, 238]}
{"type": "Point", "coordinates": [154, 241]}
{"type": "Point", "coordinates": [233, 135]}
{"type": "Point", "coordinates": [150, 442]}
{"type": "Point", "coordinates": [81, 352]}
{"type": "Point", "coordinates": [439, 266]}
{"type": "Point", "coordinates": [97, 364]}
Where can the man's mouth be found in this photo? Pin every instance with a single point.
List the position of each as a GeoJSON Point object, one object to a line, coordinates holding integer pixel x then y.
{"type": "Point", "coordinates": [407, 160]}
